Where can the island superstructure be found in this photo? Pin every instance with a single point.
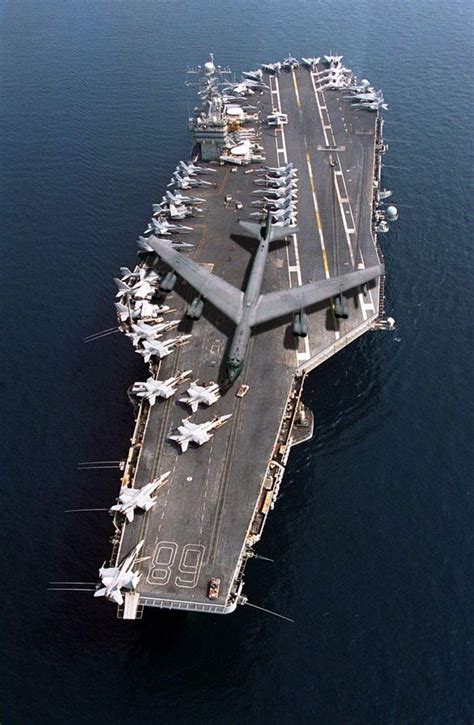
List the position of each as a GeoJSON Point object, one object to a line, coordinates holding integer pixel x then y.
{"type": "Point", "coordinates": [274, 223]}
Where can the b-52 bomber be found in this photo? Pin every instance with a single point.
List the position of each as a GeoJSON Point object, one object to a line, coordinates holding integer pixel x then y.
{"type": "Point", "coordinates": [250, 308]}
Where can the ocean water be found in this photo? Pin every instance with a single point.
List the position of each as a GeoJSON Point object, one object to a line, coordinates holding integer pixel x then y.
{"type": "Point", "coordinates": [372, 537]}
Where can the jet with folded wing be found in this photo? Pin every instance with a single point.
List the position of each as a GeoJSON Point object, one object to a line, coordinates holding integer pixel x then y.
{"type": "Point", "coordinates": [142, 498]}
{"type": "Point", "coordinates": [251, 308]}
{"type": "Point", "coordinates": [207, 394]}
{"type": "Point", "coordinates": [142, 331]}
{"type": "Point", "coordinates": [198, 433]}
{"type": "Point", "coordinates": [116, 578]}
{"type": "Point", "coordinates": [153, 389]}
{"type": "Point", "coordinates": [310, 63]}
{"type": "Point", "coordinates": [160, 348]}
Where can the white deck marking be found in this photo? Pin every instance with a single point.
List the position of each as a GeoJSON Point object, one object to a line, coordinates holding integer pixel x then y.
{"type": "Point", "coordinates": [300, 356]}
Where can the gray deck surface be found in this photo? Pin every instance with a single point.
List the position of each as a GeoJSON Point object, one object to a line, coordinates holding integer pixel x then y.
{"type": "Point", "coordinates": [198, 527]}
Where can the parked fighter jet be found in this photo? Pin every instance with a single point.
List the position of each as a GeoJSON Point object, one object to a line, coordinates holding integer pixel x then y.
{"type": "Point", "coordinates": [138, 291]}
{"type": "Point", "coordinates": [144, 245]}
{"type": "Point", "coordinates": [132, 498]}
{"type": "Point", "coordinates": [198, 433]}
{"type": "Point", "coordinates": [277, 182]}
{"type": "Point", "coordinates": [140, 310]}
{"type": "Point", "coordinates": [333, 60]}
{"type": "Point", "coordinates": [141, 331]}
{"type": "Point", "coordinates": [278, 192]}
{"type": "Point", "coordinates": [179, 198]}
{"type": "Point", "coordinates": [160, 348]}
{"type": "Point", "coordinates": [310, 63]}
{"type": "Point", "coordinates": [163, 227]}
{"type": "Point", "coordinates": [290, 63]}
{"type": "Point", "coordinates": [250, 308]}
{"type": "Point", "coordinates": [372, 106]}
{"type": "Point", "coordinates": [272, 68]}
{"type": "Point", "coordinates": [186, 181]}
{"type": "Point", "coordinates": [207, 394]}
{"type": "Point", "coordinates": [278, 170]}
{"type": "Point", "coordinates": [139, 274]}
{"type": "Point", "coordinates": [153, 389]}
{"type": "Point", "coordinates": [254, 75]}
{"type": "Point", "coordinates": [191, 169]}
{"type": "Point", "coordinates": [365, 96]}
{"type": "Point", "coordinates": [116, 578]}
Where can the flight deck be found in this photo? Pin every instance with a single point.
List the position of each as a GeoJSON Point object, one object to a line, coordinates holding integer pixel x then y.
{"type": "Point", "coordinates": [213, 507]}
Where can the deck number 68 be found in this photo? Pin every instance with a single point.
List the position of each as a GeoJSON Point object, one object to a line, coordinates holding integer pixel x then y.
{"type": "Point", "coordinates": [164, 559]}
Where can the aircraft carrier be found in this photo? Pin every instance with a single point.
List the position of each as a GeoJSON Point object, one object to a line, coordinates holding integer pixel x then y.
{"type": "Point", "coordinates": [311, 128]}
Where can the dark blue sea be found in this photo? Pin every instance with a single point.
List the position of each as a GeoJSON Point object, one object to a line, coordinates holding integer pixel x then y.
{"type": "Point", "coordinates": [373, 534]}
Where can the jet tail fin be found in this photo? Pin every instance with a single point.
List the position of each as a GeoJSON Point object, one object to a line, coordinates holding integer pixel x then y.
{"type": "Point", "coordinates": [121, 308]}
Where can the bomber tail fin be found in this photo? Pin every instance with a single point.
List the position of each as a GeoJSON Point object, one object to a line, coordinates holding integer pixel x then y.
{"type": "Point", "coordinates": [269, 231]}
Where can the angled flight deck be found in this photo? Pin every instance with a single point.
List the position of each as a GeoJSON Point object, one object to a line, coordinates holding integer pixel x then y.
{"type": "Point", "coordinates": [212, 508]}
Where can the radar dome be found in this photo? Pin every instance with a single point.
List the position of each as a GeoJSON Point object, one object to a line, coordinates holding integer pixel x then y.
{"type": "Point", "coordinates": [364, 82]}
{"type": "Point", "coordinates": [209, 68]}
{"type": "Point", "coordinates": [392, 213]}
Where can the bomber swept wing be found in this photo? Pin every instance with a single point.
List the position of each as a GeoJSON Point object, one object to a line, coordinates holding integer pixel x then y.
{"type": "Point", "coordinates": [270, 306]}
{"type": "Point", "coordinates": [283, 302]}
{"type": "Point", "coordinates": [220, 293]}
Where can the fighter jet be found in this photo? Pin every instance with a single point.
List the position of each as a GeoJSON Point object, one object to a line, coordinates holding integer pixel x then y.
{"type": "Point", "coordinates": [153, 389]}
{"type": "Point", "coordinates": [333, 60]}
{"type": "Point", "coordinates": [140, 310]}
{"type": "Point", "coordinates": [254, 75]}
{"type": "Point", "coordinates": [290, 63]}
{"type": "Point", "coordinates": [372, 106]}
{"type": "Point", "coordinates": [272, 68]}
{"type": "Point", "coordinates": [277, 182]}
{"type": "Point", "coordinates": [160, 348]}
{"type": "Point", "coordinates": [198, 433]}
{"type": "Point", "coordinates": [310, 63]}
{"type": "Point", "coordinates": [128, 276]}
{"type": "Point", "coordinates": [288, 206]}
{"type": "Point", "coordinates": [181, 212]}
{"type": "Point", "coordinates": [362, 87]}
{"type": "Point", "coordinates": [191, 169]}
{"type": "Point", "coordinates": [278, 192]}
{"type": "Point", "coordinates": [250, 307]}
{"type": "Point", "coordinates": [179, 199]}
{"type": "Point", "coordinates": [116, 578]}
{"type": "Point", "coordinates": [132, 498]}
{"type": "Point", "coordinates": [286, 168]}
{"type": "Point", "coordinates": [365, 96]}
{"type": "Point", "coordinates": [141, 331]}
{"type": "Point", "coordinates": [139, 274]}
{"type": "Point", "coordinates": [139, 291]}
{"type": "Point", "coordinates": [163, 227]}
{"type": "Point", "coordinates": [187, 182]}
{"type": "Point", "coordinates": [143, 244]}
{"type": "Point", "coordinates": [207, 394]}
